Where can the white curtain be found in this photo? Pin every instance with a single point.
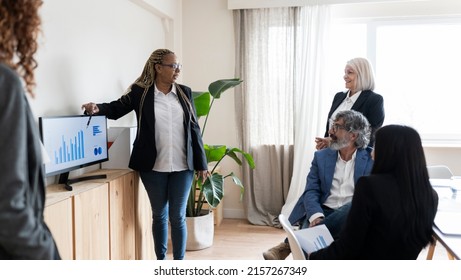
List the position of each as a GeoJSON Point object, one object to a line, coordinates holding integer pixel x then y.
{"type": "Point", "coordinates": [280, 106]}
{"type": "Point", "coordinates": [312, 96]}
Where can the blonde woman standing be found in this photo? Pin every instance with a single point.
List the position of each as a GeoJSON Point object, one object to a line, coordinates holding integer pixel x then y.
{"type": "Point", "coordinates": [359, 80]}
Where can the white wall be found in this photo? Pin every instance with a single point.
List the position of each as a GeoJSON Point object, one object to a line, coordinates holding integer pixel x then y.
{"type": "Point", "coordinates": [208, 55]}
{"type": "Point", "coordinates": [93, 50]}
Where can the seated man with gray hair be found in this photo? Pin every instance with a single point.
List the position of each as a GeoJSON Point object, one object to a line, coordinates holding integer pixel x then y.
{"type": "Point", "coordinates": [331, 179]}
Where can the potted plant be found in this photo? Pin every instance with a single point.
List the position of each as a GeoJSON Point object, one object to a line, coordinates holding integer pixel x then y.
{"type": "Point", "coordinates": [211, 191]}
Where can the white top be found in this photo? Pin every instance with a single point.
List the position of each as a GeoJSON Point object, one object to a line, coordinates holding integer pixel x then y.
{"type": "Point", "coordinates": [169, 132]}
{"type": "Point", "coordinates": [347, 104]}
{"type": "Point", "coordinates": [342, 187]}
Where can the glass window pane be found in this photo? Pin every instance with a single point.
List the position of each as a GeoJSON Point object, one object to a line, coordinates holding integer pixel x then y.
{"type": "Point", "coordinates": [417, 74]}
{"type": "Point", "coordinates": [346, 42]}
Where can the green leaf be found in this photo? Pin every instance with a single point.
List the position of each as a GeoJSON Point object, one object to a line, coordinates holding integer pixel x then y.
{"type": "Point", "coordinates": [214, 152]}
{"type": "Point", "coordinates": [219, 86]}
{"type": "Point", "coordinates": [238, 183]}
{"type": "Point", "coordinates": [202, 103]}
{"type": "Point", "coordinates": [232, 153]}
{"type": "Point", "coordinates": [249, 159]}
{"type": "Point", "coordinates": [213, 189]}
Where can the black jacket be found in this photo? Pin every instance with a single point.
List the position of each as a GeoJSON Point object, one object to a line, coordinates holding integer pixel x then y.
{"type": "Point", "coordinates": [369, 103]}
{"type": "Point", "coordinates": [144, 151]}
{"type": "Point", "coordinates": [375, 228]}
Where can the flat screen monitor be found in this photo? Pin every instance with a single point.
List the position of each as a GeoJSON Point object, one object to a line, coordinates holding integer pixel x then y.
{"type": "Point", "coordinates": [73, 142]}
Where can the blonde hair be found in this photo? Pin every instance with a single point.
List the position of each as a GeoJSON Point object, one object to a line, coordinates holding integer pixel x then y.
{"type": "Point", "coordinates": [365, 75]}
{"type": "Point", "coordinates": [19, 29]}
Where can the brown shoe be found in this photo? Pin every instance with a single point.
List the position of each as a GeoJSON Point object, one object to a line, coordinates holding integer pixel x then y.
{"type": "Point", "coordinates": [279, 252]}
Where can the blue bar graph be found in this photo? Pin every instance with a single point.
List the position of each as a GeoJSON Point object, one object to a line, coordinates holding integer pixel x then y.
{"type": "Point", "coordinates": [320, 242]}
{"type": "Point", "coordinates": [71, 149]}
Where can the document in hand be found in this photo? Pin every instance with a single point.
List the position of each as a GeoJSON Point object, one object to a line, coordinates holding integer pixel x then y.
{"type": "Point", "coordinates": [314, 238]}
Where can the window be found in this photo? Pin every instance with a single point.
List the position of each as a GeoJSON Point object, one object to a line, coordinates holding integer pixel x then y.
{"type": "Point", "coordinates": [417, 71]}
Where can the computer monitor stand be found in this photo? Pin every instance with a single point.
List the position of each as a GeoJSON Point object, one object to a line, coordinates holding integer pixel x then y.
{"type": "Point", "coordinates": [64, 179]}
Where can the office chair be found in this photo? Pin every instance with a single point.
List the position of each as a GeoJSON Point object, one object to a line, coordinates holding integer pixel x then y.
{"type": "Point", "coordinates": [296, 250]}
{"type": "Point", "coordinates": [439, 172]}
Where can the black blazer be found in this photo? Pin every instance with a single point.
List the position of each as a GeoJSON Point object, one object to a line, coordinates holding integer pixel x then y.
{"type": "Point", "coordinates": [369, 103]}
{"type": "Point", "coordinates": [144, 151]}
{"type": "Point", "coordinates": [374, 226]}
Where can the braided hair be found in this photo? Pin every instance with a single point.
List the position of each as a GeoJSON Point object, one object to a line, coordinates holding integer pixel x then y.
{"type": "Point", "coordinates": [149, 74]}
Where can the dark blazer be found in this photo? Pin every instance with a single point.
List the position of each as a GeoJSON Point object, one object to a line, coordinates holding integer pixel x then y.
{"type": "Point", "coordinates": [369, 103]}
{"type": "Point", "coordinates": [23, 232]}
{"type": "Point", "coordinates": [144, 150]}
{"type": "Point", "coordinates": [320, 179]}
{"type": "Point", "coordinates": [374, 227]}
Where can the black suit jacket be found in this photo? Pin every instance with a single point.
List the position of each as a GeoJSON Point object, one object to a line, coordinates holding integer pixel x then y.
{"type": "Point", "coordinates": [369, 103]}
{"type": "Point", "coordinates": [144, 151]}
{"type": "Point", "coordinates": [374, 226]}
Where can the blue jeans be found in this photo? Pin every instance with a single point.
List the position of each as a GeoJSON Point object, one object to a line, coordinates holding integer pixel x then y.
{"type": "Point", "coordinates": [334, 219]}
{"type": "Point", "coordinates": [168, 193]}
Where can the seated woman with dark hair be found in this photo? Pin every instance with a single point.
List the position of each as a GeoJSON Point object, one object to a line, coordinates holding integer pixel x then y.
{"type": "Point", "coordinates": [393, 209]}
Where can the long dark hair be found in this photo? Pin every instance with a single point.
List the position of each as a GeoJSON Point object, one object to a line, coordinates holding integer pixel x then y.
{"type": "Point", "coordinates": [399, 151]}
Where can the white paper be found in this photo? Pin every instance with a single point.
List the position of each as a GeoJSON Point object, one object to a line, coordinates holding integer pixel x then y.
{"type": "Point", "coordinates": [314, 238]}
{"type": "Point", "coordinates": [448, 222]}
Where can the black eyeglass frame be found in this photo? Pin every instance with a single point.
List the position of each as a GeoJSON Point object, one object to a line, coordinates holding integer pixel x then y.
{"type": "Point", "coordinates": [335, 127]}
{"type": "Point", "coordinates": [175, 66]}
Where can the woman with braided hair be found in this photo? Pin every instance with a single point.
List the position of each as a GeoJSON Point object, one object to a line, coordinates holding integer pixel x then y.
{"type": "Point", "coordinates": [168, 145]}
{"type": "Point", "coordinates": [23, 232]}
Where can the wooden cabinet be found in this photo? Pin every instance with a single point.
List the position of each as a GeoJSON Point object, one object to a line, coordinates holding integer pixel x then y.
{"type": "Point", "coordinates": [91, 224]}
{"type": "Point", "coordinates": [122, 218]}
{"type": "Point", "coordinates": [101, 219]}
{"type": "Point", "coordinates": [58, 217]}
{"type": "Point", "coordinates": [144, 239]}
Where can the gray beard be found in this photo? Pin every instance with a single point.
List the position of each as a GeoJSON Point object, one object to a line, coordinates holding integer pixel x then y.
{"type": "Point", "coordinates": [339, 144]}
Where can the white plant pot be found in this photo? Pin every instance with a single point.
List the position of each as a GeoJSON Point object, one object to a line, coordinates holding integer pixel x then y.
{"type": "Point", "coordinates": [200, 232]}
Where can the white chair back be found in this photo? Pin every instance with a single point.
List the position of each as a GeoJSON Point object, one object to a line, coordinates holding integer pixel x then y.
{"type": "Point", "coordinates": [296, 250]}
{"type": "Point", "coordinates": [439, 172]}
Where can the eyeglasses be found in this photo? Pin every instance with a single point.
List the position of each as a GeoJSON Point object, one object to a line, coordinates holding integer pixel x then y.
{"type": "Point", "coordinates": [175, 66]}
{"type": "Point", "coordinates": [335, 127]}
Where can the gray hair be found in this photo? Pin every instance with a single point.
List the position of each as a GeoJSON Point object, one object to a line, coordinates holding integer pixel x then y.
{"type": "Point", "coordinates": [365, 74]}
{"type": "Point", "coordinates": [356, 123]}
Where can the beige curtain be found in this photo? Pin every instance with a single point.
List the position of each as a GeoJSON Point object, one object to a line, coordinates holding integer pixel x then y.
{"type": "Point", "coordinates": [276, 104]}
{"type": "Point", "coordinates": [268, 184]}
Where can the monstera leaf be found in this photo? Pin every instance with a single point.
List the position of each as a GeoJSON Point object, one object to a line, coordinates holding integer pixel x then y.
{"type": "Point", "coordinates": [212, 190]}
